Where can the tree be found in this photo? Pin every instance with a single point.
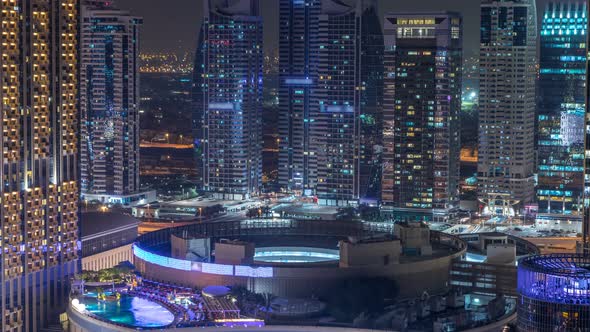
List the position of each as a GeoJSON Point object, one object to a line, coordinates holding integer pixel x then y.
{"type": "Point", "coordinates": [240, 293]}
{"type": "Point", "coordinates": [347, 213]}
{"type": "Point", "coordinates": [268, 298]}
{"type": "Point", "coordinates": [106, 275]}
{"type": "Point", "coordinates": [370, 213]}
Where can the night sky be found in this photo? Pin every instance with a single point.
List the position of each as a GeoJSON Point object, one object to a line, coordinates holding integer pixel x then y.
{"type": "Point", "coordinates": [173, 25]}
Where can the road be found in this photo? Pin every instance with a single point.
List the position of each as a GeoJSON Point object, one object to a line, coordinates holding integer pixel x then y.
{"type": "Point", "coordinates": [151, 226]}
{"type": "Point", "coordinates": [165, 145]}
{"type": "Point", "coordinates": [555, 244]}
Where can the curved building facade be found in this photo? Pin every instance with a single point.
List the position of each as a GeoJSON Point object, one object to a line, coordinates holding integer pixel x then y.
{"type": "Point", "coordinates": [378, 257]}
{"type": "Point", "coordinates": [554, 293]}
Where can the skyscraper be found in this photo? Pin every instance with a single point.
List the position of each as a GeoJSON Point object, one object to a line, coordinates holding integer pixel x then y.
{"type": "Point", "coordinates": [298, 23]}
{"type": "Point", "coordinates": [228, 99]}
{"type": "Point", "coordinates": [507, 104]}
{"type": "Point", "coordinates": [586, 214]}
{"type": "Point", "coordinates": [370, 121]}
{"type": "Point", "coordinates": [335, 105]}
{"type": "Point", "coordinates": [423, 60]}
{"type": "Point", "coordinates": [561, 111]}
{"type": "Point", "coordinates": [39, 215]}
{"type": "Point", "coordinates": [109, 101]}
{"type": "Point", "coordinates": [314, 48]}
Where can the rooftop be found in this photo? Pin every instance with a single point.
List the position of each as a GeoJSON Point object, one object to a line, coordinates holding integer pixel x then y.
{"type": "Point", "coordinates": [573, 265]}
{"type": "Point", "coordinates": [306, 209]}
{"type": "Point", "coordinates": [92, 223]}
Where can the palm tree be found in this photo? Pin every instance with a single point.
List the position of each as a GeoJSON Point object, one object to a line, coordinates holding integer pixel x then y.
{"type": "Point", "coordinates": [268, 298]}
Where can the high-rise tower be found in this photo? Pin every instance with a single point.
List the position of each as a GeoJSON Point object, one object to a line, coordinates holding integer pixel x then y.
{"type": "Point", "coordinates": [561, 111]}
{"type": "Point", "coordinates": [586, 220]}
{"type": "Point", "coordinates": [227, 98]}
{"type": "Point", "coordinates": [297, 75]}
{"type": "Point", "coordinates": [507, 102]}
{"type": "Point", "coordinates": [109, 100]}
{"type": "Point", "coordinates": [39, 193]}
{"type": "Point", "coordinates": [324, 65]}
{"type": "Point", "coordinates": [371, 71]}
{"type": "Point", "coordinates": [423, 60]}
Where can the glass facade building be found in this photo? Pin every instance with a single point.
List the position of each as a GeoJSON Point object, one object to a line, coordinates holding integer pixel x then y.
{"type": "Point", "coordinates": [507, 101]}
{"type": "Point", "coordinates": [39, 174]}
{"type": "Point", "coordinates": [586, 214]}
{"type": "Point", "coordinates": [371, 104]}
{"type": "Point", "coordinates": [298, 23]}
{"type": "Point", "coordinates": [553, 293]}
{"type": "Point", "coordinates": [423, 60]}
{"type": "Point", "coordinates": [227, 98]}
{"type": "Point", "coordinates": [329, 100]}
{"type": "Point", "coordinates": [109, 100]}
{"type": "Point", "coordinates": [347, 102]}
{"type": "Point", "coordinates": [561, 110]}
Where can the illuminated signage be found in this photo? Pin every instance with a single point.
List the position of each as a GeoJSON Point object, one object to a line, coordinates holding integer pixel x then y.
{"type": "Point", "coordinates": [571, 128]}
{"type": "Point", "coordinates": [298, 81]}
{"type": "Point", "coordinates": [415, 21]}
{"type": "Point", "coordinates": [149, 257]}
{"type": "Point", "coordinates": [220, 269]}
{"type": "Point", "coordinates": [196, 266]}
{"type": "Point", "coordinates": [209, 268]}
{"type": "Point", "coordinates": [340, 109]}
{"type": "Point", "coordinates": [221, 106]}
{"type": "Point", "coordinates": [254, 272]}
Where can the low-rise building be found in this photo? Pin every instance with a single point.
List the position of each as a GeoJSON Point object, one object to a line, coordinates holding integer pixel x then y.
{"type": "Point", "coordinates": [107, 239]}
{"type": "Point", "coordinates": [132, 199]}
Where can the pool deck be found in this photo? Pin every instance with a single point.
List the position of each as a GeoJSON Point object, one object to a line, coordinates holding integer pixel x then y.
{"type": "Point", "coordinates": [173, 323]}
{"type": "Point", "coordinates": [80, 322]}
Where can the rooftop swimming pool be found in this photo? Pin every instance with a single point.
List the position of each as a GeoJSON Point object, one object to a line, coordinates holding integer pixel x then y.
{"type": "Point", "coordinates": [128, 310]}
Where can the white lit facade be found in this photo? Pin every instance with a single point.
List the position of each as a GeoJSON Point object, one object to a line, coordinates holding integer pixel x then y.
{"type": "Point", "coordinates": [109, 100]}
{"type": "Point", "coordinates": [508, 74]}
{"type": "Point", "coordinates": [228, 99]}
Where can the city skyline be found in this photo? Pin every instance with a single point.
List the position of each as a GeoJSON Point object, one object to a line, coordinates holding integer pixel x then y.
{"type": "Point", "coordinates": [183, 20]}
{"type": "Point", "coordinates": [325, 183]}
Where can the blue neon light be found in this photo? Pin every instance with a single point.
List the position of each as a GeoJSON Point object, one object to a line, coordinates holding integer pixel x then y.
{"type": "Point", "coordinates": [255, 272]}
{"type": "Point", "coordinates": [221, 106]}
{"type": "Point", "coordinates": [219, 269]}
{"type": "Point", "coordinates": [209, 268]}
{"type": "Point", "coordinates": [340, 109]}
{"type": "Point", "coordinates": [298, 81]}
{"type": "Point", "coordinates": [554, 278]}
{"type": "Point", "coordinates": [170, 262]}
